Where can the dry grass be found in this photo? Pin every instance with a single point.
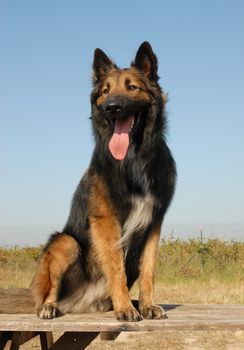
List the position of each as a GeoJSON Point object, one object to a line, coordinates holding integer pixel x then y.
{"type": "Point", "coordinates": [200, 292]}
{"type": "Point", "coordinates": [188, 272]}
{"type": "Point", "coordinates": [17, 266]}
{"type": "Point", "coordinates": [168, 340]}
{"type": "Point", "coordinates": [172, 341]}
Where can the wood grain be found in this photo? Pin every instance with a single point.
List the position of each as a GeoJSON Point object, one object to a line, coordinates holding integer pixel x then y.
{"type": "Point", "coordinates": [180, 317]}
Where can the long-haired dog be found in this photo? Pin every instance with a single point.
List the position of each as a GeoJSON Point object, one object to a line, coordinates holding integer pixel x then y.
{"type": "Point", "coordinates": [111, 237]}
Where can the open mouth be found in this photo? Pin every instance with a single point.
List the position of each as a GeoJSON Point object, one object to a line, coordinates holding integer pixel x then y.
{"type": "Point", "coordinates": [122, 135]}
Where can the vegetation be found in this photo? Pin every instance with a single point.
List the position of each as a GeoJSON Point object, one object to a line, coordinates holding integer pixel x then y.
{"type": "Point", "coordinates": [179, 261]}
{"type": "Point", "coordinates": [191, 271]}
{"type": "Point", "coordinates": [197, 260]}
{"type": "Point", "coordinates": [17, 266]}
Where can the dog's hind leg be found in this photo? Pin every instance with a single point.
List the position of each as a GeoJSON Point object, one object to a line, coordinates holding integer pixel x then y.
{"type": "Point", "coordinates": [147, 305]}
{"type": "Point", "coordinates": [57, 256]}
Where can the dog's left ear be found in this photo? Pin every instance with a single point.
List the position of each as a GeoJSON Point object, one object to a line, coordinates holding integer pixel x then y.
{"type": "Point", "coordinates": [101, 65]}
{"type": "Point", "coordinates": [146, 61]}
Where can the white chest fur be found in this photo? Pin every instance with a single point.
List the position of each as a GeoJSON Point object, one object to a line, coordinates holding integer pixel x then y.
{"type": "Point", "coordinates": [139, 217]}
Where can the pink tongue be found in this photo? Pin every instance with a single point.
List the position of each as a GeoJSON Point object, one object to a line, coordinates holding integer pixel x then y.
{"type": "Point", "coordinates": [119, 142]}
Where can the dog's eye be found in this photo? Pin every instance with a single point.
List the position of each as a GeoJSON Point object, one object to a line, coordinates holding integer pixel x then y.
{"type": "Point", "coordinates": [132, 87]}
{"type": "Point", "coordinates": [105, 91]}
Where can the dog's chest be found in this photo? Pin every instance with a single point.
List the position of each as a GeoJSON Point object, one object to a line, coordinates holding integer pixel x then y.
{"type": "Point", "coordinates": [139, 217]}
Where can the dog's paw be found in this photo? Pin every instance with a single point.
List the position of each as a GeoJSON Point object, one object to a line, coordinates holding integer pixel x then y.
{"type": "Point", "coordinates": [47, 311]}
{"type": "Point", "coordinates": [131, 315]}
{"type": "Point", "coordinates": [152, 312]}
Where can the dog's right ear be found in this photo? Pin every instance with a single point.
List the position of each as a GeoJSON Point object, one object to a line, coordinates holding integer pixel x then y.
{"type": "Point", "coordinates": [101, 65]}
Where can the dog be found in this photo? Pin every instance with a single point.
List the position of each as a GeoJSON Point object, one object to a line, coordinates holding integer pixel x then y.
{"type": "Point", "coordinates": [112, 233]}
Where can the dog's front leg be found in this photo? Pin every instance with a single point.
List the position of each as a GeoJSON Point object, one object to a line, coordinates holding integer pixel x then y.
{"type": "Point", "coordinates": [147, 305]}
{"type": "Point", "coordinates": [105, 233]}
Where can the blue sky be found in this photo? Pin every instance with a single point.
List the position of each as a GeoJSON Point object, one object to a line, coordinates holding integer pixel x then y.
{"type": "Point", "coordinates": [45, 136]}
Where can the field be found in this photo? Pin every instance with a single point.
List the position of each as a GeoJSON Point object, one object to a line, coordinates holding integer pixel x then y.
{"type": "Point", "coordinates": [191, 271]}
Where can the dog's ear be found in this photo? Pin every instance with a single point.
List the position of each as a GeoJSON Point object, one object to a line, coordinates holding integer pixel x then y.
{"type": "Point", "coordinates": [101, 65]}
{"type": "Point", "coordinates": [146, 61]}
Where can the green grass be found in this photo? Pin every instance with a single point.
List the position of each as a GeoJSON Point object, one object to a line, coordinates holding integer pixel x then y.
{"type": "Point", "coordinates": [198, 261]}
{"type": "Point", "coordinates": [179, 261]}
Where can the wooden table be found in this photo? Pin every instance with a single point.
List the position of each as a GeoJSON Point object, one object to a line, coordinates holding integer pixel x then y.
{"type": "Point", "coordinates": [80, 330]}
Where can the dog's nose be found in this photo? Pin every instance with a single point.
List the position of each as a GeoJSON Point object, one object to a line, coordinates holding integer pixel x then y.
{"type": "Point", "coordinates": [113, 107]}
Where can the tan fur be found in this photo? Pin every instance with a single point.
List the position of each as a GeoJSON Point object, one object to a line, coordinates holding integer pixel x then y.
{"type": "Point", "coordinates": [117, 82]}
{"type": "Point", "coordinates": [16, 301]}
{"type": "Point", "coordinates": [53, 263]}
{"type": "Point", "coordinates": [147, 273]}
{"type": "Point", "coordinates": [105, 234]}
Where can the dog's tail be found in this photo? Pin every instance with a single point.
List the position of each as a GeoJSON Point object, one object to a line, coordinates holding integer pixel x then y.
{"type": "Point", "coordinates": [16, 301]}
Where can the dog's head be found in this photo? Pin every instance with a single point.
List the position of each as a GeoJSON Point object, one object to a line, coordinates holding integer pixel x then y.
{"type": "Point", "coordinates": [127, 104]}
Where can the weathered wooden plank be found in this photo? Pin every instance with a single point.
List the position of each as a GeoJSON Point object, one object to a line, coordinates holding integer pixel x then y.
{"type": "Point", "coordinates": [26, 336]}
{"type": "Point", "coordinates": [15, 338]}
{"type": "Point", "coordinates": [46, 339]}
{"type": "Point", "coordinates": [4, 338]}
{"type": "Point", "coordinates": [15, 343]}
{"type": "Point", "coordinates": [74, 341]}
{"type": "Point", "coordinates": [18, 338]}
{"type": "Point", "coordinates": [109, 335]}
{"type": "Point", "coordinates": [180, 317]}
